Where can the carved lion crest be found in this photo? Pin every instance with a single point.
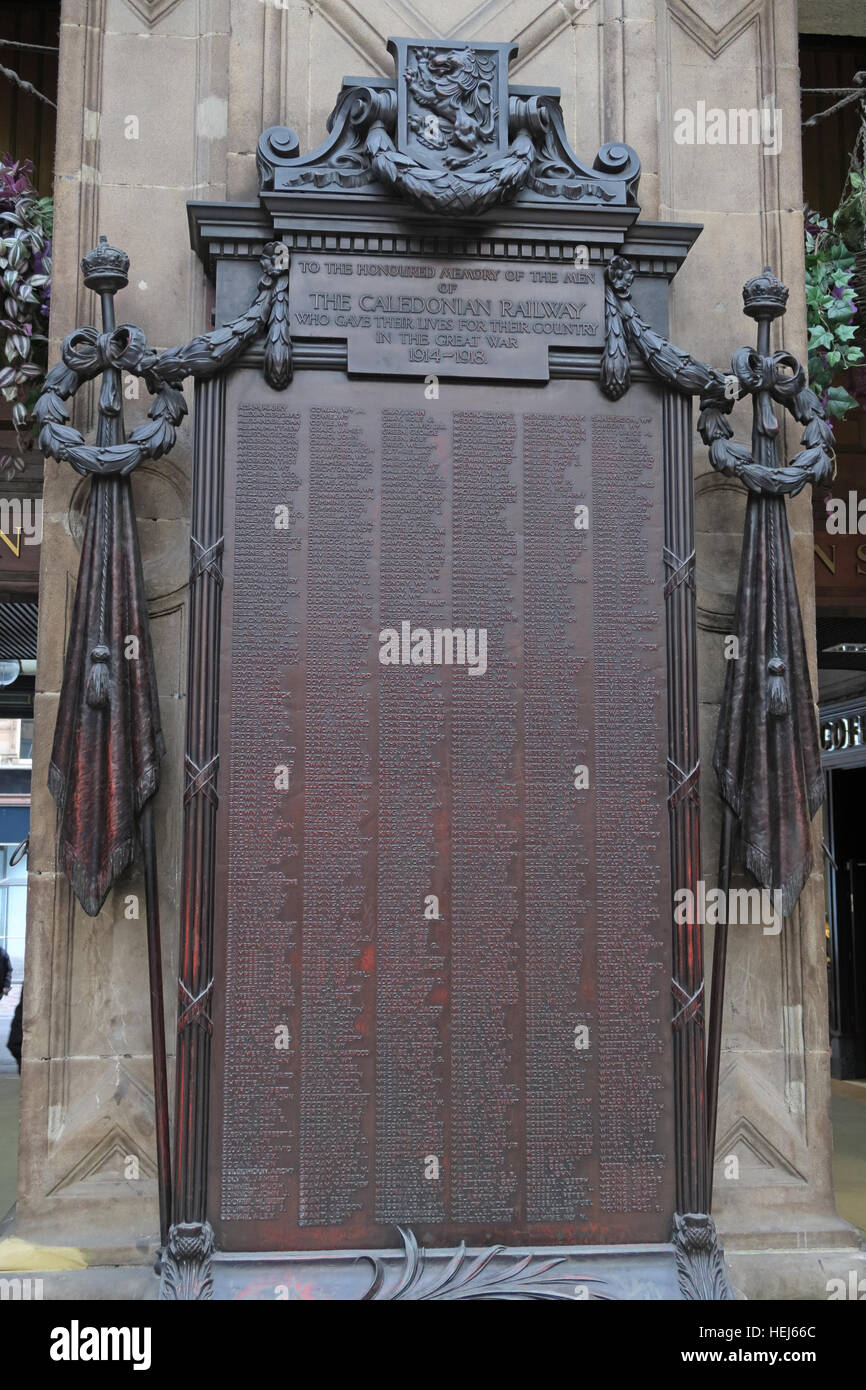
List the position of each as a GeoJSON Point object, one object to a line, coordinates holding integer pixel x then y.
{"type": "Point", "coordinates": [455, 90]}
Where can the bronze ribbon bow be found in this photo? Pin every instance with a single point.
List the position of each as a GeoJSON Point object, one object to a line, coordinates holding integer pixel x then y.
{"type": "Point", "coordinates": [87, 352]}
{"type": "Point", "coordinates": [776, 378]}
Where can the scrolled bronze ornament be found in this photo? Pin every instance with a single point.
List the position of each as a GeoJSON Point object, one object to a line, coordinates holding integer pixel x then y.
{"type": "Point", "coordinates": [459, 151]}
{"type": "Point", "coordinates": [363, 152]}
{"type": "Point", "coordinates": [344, 159]}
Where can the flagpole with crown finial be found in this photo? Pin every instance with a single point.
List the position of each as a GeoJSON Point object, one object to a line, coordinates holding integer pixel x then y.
{"type": "Point", "coordinates": [105, 270]}
{"type": "Point", "coordinates": [768, 378]}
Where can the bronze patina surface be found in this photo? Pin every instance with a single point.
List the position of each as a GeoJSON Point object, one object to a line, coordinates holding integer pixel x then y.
{"type": "Point", "coordinates": [443, 868]}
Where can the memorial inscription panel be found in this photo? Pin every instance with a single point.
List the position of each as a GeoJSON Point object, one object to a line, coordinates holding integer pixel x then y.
{"type": "Point", "coordinates": [444, 899]}
{"type": "Point", "coordinates": [419, 317]}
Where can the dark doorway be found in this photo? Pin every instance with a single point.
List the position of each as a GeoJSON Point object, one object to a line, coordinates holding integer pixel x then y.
{"type": "Point", "coordinates": [846, 920]}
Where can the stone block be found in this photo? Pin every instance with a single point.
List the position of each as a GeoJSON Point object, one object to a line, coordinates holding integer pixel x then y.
{"type": "Point", "coordinates": [137, 144]}
{"type": "Point", "coordinates": [42, 810]}
{"type": "Point", "coordinates": [56, 595]}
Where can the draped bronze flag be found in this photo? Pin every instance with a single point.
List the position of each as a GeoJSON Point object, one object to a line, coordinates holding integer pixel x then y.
{"type": "Point", "coordinates": [767, 757]}
{"type": "Point", "coordinates": [108, 740]}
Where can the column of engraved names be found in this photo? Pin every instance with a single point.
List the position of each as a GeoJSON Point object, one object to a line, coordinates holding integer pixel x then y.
{"type": "Point", "coordinates": [485, 840]}
{"type": "Point", "coordinates": [410, 1138]}
{"type": "Point", "coordinates": [336, 1007]}
{"type": "Point", "coordinates": [257, 1140]}
{"type": "Point", "coordinates": [630, 811]}
{"type": "Point", "coordinates": [559, 1129]}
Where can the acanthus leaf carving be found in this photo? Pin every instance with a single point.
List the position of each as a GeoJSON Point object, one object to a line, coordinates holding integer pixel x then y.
{"type": "Point", "coordinates": [186, 1263]}
{"type": "Point", "coordinates": [701, 1272]}
{"type": "Point", "coordinates": [476, 1275]}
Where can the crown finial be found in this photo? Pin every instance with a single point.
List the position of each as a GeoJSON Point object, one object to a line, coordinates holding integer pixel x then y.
{"type": "Point", "coordinates": [105, 268]}
{"type": "Point", "coordinates": [764, 296]}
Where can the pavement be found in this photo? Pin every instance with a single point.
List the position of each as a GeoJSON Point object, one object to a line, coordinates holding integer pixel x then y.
{"type": "Point", "coordinates": [849, 1151]}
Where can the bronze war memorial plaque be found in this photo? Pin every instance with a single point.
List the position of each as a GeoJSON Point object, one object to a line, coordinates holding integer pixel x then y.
{"type": "Point", "coordinates": [443, 883]}
{"type": "Point", "coordinates": [440, 1030]}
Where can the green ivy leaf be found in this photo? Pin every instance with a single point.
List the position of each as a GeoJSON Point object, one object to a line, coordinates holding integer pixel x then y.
{"type": "Point", "coordinates": [839, 402]}
{"type": "Point", "coordinates": [819, 337]}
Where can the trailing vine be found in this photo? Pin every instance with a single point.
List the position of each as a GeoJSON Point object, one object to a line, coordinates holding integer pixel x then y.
{"type": "Point", "coordinates": [831, 306]}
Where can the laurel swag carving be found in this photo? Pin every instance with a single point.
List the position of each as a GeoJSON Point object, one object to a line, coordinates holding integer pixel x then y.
{"type": "Point", "coordinates": [780, 376]}
{"type": "Point", "coordinates": [87, 353]}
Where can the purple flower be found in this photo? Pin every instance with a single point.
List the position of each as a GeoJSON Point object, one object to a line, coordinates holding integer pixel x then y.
{"type": "Point", "coordinates": [15, 179]}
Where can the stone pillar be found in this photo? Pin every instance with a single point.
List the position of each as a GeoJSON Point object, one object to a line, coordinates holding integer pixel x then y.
{"type": "Point", "coordinates": [774, 1104]}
